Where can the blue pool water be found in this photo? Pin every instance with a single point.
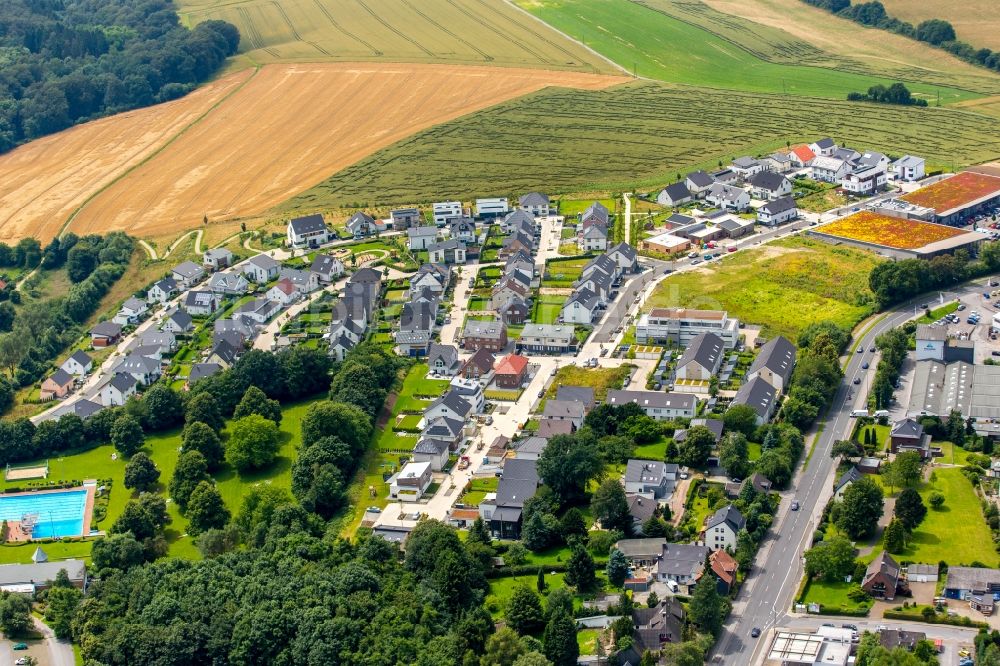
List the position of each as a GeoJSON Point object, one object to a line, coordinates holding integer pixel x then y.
{"type": "Point", "coordinates": [56, 514]}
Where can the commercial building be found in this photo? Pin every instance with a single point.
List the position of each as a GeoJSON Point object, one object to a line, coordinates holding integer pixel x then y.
{"type": "Point", "coordinates": [679, 326]}
{"type": "Point", "coordinates": [959, 197]}
{"type": "Point", "coordinates": [830, 646]}
{"type": "Point", "coordinates": [657, 404]}
{"type": "Point", "coordinates": [666, 243]}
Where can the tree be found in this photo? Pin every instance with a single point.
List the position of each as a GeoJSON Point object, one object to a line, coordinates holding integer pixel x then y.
{"type": "Point", "coordinates": [580, 569]}
{"type": "Point", "coordinates": [937, 500]}
{"type": "Point", "coordinates": [560, 600]}
{"type": "Point", "coordinates": [164, 408]}
{"type": "Point", "coordinates": [568, 463]}
{"type": "Point", "coordinates": [734, 455]}
{"type": "Point", "coordinates": [830, 560]}
{"type": "Point", "coordinates": [905, 469]}
{"type": "Point", "coordinates": [15, 614]}
{"type": "Point", "coordinates": [479, 533]}
{"type": "Point", "coordinates": [357, 384]}
{"type": "Point", "coordinates": [617, 568]}
{"type": "Point", "coordinates": [502, 648]}
{"type": "Point", "coordinates": [776, 466]}
{"type": "Point", "coordinates": [205, 509]}
{"type": "Point", "coordinates": [347, 422]}
{"type": "Point", "coordinates": [655, 527]}
{"type": "Point", "coordinates": [136, 520]}
{"type": "Point", "coordinates": [141, 472]}
{"type": "Point", "coordinates": [844, 448]}
{"type": "Point", "coordinates": [200, 437]}
{"type": "Point", "coordinates": [204, 407]}
{"type": "Point", "coordinates": [652, 601]}
{"type": "Point", "coordinates": [706, 607]}
{"type": "Point", "coordinates": [516, 553]}
{"type": "Point", "coordinates": [253, 443]}
{"type": "Point", "coordinates": [861, 509]}
{"type": "Point", "coordinates": [910, 509]}
{"type": "Point", "coordinates": [540, 580]}
{"type": "Point", "coordinates": [561, 647]}
{"type": "Point", "coordinates": [696, 447]}
{"type": "Point", "coordinates": [895, 536]}
{"type": "Point", "coordinates": [60, 607]}
{"type": "Point", "coordinates": [740, 418]}
{"type": "Point", "coordinates": [533, 658]}
{"type": "Point", "coordinates": [687, 653]}
{"type": "Point", "coordinates": [610, 506]}
{"type": "Point", "coordinates": [190, 471]}
{"type": "Point", "coordinates": [126, 435]}
{"type": "Point", "coordinates": [7, 314]}
{"type": "Point", "coordinates": [935, 31]}
{"type": "Point", "coordinates": [524, 610]}
{"type": "Point", "coordinates": [572, 524]}
{"type": "Point", "coordinates": [117, 551]}
{"type": "Point", "coordinates": [256, 402]}
{"type": "Point", "coordinates": [318, 476]}
{"type": "Point", "coordinates": [536, 534]}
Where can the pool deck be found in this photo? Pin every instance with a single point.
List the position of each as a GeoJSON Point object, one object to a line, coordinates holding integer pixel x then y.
{"type": "Point", "coordinates": [17, 534]}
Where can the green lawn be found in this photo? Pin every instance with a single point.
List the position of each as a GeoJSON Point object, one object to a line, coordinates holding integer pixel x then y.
{"type": "Point", "coordinates": [600, 379]}
{"type": "Point", "coordinates": [570, 208]}
{"type": "Point", "coordinates": [416, 383]}
{"type": "Point", "coordinates": [654, 451]}
{"type": "Point", "coordinates": [546, 308]}
{"type": "Point", "coordinates": [834, 595]}
{"type": "Point", "coordinates": [784, 287]}
{"type": "Point", "coordinates": [564, 272]}
{"type": "Point", "coordinates": [937, 313]}
{"type": "Point", "coordinates": [478, 489]}
{"type": "Point", "coordinates": [753, 451]}
{"type": "Point", "coordinates": [501, 589]}
{"type": "Point", "coordinates": [586, 639]}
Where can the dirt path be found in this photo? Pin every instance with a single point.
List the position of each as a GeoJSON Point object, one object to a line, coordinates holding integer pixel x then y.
{"type": "Point", "coordinates": [150, 250]}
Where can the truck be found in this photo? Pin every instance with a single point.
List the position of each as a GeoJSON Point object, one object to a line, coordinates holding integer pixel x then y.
{"type": "Point", "coordinates": [858, 413]}
{"type": "Point", "coordinates": [463, 462]}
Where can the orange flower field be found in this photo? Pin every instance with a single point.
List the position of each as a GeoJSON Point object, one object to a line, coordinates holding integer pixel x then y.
{"type": "Point", "coordinates": [869, 227]}
{"type": "Point", "coordinates": [953, 192]}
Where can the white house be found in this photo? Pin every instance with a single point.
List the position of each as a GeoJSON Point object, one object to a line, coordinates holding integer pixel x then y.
{"type": "Point", "coordinates": [746, 167]}
{"type": "Point", "coordinates": [581, 307]}
{"type": "Point", "coordinates": [79, 363]}
{"type": "Point", "coordinates": [722, 528]}
{"type": "Point", "coordinates": [674, 194]}
{"type": "Point", "coordinates": [535, 203]}
{"type": "Point", "coordinates": [697, 183]}
{"type": "Point", "coordinates": [177, 321]}
{"type": "Point", "coordinates": [283, 292]}
{"type": "Point", "coordinates": [326, 268]}
{"type": "Point", "coordinates": [187, 274]}
{"type": "Point", "coordinates": [447, 252]}
{"type": "Point", "coordinates": [308, 231]}
{"type": "Point", "coordinates": [305, 281]}
{"type": "Point", "coordinates": [864, 181]}
{"type": "Point", "coordinates": [118, 390]}
{"type": "Point", "coordinates": [361, 224]}
{"type": "Point", "coordinates": [420, 238]}
{"type": "Point", "coordinates": [463, 229]}
{"type": "Point", "coordinates": [229, 284]}
{"type": "Point", "coordinates": [201, 303]}
{"type": "Point", "coordinates": [259, 310]}
{"type": "Point", "coordinates": [492, 207]}
{"type": "Point", "coordinates": [451, 405]}
{"type": "Point", "coordinates": [445, 210]}
{"type": "Point", "coordinates": [830, 169]}
{"type": "Point", "coordinates": [594, 238]}
{"type": "Point", "coordinates": [144, 369]}
{"type": "Point", "coordinates": [217, 258]}
{"type": "Point", "coordinates": [130, 312]}
{"type": "Point", "coordinates": [823, 147]}
{"type": "Point", "coordinates": [657, 404]}
{"type": "Point", "coordinates": [769, 185]}
{"type": "Point", "coordinates": [162, 291]}
{"type": "Point", "coordinates": [261, 268]}
{"type": "Point", "coordinates": [777, 212]}
{"type": "Point", "coordinates": [908, 168]}
{"type": "Point", "coordinates": [728, 197]}
{"type": "Point", "coordinates": [411, 482]}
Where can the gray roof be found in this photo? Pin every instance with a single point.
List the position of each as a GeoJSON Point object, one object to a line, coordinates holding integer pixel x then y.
{"type": "Point", "coordinates": [641, 548]}
{"type": "Point", "coordinates": [601, 262]}
{"type": "Point", "coordinates": [492, 330]}
{"type": "Point", "coordinates": [653, 399]}
{"type": "Point", "coordinates": [883, 563]}
{"type": "Point", "coordinates": [745, 162]}
{"type": "Point", "coordinates": [870, 159]}
{"type": "Point", "coordinates": [909, 160]}
{"type": "Point", "coordinates": [567, 409]}
{"type": "Point", "coordinates": [825, 143]}
{"type": "Point", "coordinates": [414, 337]}
{"type": "Point", "coordinates": [181, 318]}
{"type": "Point", "coordinates": [137, 363]}
{"type": "Point", "coordinates": [200, 298]}
{"type": "Point", "coordinates": [677, 191]}
{"type": "Point", "coordinates": [779, 205]}
{"type": "Point", "coordinates": [681, 559]}
{"type": "Point", "coordinates": [201, 370]}
{"type": "Point", "coordinates": [519, 217]}
{"type": "Point", "coordinates": [767, 180]}
{"type": "Point", "coordinates": [678, 218]}
{"type": "Point", "coordinates": [443, 427]}
{"type": "Point", "coordinates": [757, 394]}
{"type": "Point", "coordinates": [778, 356]}
{"type": "Point", "coordinates": [533, 445]}
{"type": "Point", "coordinates": [265, 261]}
{"type": "Point", "coordinates": [649, 471]}
{"type": "Point", "coordinates": [581, 394]}
{"type": "Point", "coordinates": [561, 333]}
{"type": "Point", "coordinates": [307, 224]}
{"type": "Point", "coordinates": [450, 244]}
{"type": "Point", "coordinates": [700, 179]}
{"type": "Point", "coordinates": [134, 304]}
{"type": "Point", "coordinates": [40, 572]}
{"type": "Point", "coordinates": [925, 569]}
{"type": "Point", "coordinates": [726, 192]}
{"type": "Point", "coordinates": [359, 219]}
{"type": "Point", "coordinates": [167, 285]}
{"type": "Point", "coordinates": [123, 381]}
{"type": "Point", "coordinates": [106, 329]}
{"type": "Point", "coordinates": [907, 428]}
{"type": "Point", "coordinates": [850, 476]}
{"type": "Point", "coordinates": [453, 401]}
{"type": "Point", "coordinates": [228, 281]}
{"type": "Point", "coordinates": [225, 351]}
{"type": "Point", "coordinates": [158, 338]}
{"type": "Point", "coordinates": [625, 250]}
{"type": "Point", "coordinates": [584, 296]}
{"type": "Point", "coordinates": [706, 349]}
{"type": "Point", "coordinates": [323, 264]}
{"type": "Point", "coordinates": [431, 446]}
{"type": "Point", "coordinates": [418, 316]}
{"type": "Point", "coordinates": [598, 210]}
{"type": "Point", "coordinates": [61, 377]}
{"type": "Point", "coordinates": [366, 275]}
{"type": "Point", "coordinates": [447, 353]}
{"type": "Point", "coordinates": [729, 515]}
{"type": "Point", "coordinates": [84, 408]}
{"type": "Point", "coordinates": [188, 269]}
{"type": "Point", "coordinates": [419, 232]}
{"type": "Point", "coordinates": [534, 199]}
{"type": "Point", "coordinates": [80, 357]}
{"type": "Point", "coordinates": [640, 508]}
{"type": "Point", "coordinates": [218, 252]}
{"type": "Point", "coordinates": [928, 332]}
{"type": "Point", "coordinates": [970, 578]}
{"type": "Point", "coordinates": [715, 426]}
{"type": "Point", "coordinates": [520, 469]}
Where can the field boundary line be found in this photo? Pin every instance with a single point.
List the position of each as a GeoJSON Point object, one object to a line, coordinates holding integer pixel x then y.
{"type": "Point", "coordinates": [575, 41]}
{"type": "Point", "coordinates": [155, 153]}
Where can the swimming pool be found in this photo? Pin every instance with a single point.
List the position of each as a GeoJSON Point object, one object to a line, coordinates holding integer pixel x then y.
{"type": "Point", "coordinates": [56, 514]}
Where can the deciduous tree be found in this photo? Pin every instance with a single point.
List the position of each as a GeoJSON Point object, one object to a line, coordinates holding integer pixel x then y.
{"type": "Point", "coordinates": [253, 443]}
{"type": "Point", "coordinates": [205, 509]}
{"type": "Point", "coordinates": [141, 472]}
{"type": "Point", "coordinates": [861, 509]}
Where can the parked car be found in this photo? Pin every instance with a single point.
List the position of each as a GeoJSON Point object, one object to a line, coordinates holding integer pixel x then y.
{"type": "Point", "coordinates": [961, 306]}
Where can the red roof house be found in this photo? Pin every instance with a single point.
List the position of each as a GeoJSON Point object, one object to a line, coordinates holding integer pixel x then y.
{"type": "Point", "coordinates": [511, 371]}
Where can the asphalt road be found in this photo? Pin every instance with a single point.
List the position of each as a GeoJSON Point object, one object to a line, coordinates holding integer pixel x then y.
{"type": "Point", "coordinates": [766, 597]}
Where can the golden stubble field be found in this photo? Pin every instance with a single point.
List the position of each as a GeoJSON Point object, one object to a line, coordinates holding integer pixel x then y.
{"type": "Point", "coordinates": [975, 21]}
{"type": "Point", "coordinates": [286, 128]}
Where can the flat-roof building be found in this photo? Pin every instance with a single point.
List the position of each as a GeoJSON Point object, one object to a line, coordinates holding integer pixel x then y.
{"type": "Point", "coordinates": [679, 326]}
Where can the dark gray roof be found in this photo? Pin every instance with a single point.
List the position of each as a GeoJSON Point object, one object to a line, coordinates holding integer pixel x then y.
{"type": "Point", "coordinates": [767, 180]}
{"type": "Point", "coordinates": [825, 143]}
{"type": "Point", "coordinates": [533, 445]}
{"type": "Point", "coordinates": [778, 356]}
{"type": "Point", "coordinates": [181, 318]}
{"type": "Point", "coordinates": [567, 409]}
{"type": "Point", "coordinates": [706, 349]}
{"type": "Point", "coordinates": [450, 244]}
{"type": "Point", "coordinates": [167, 285]}
{"type": "Point", "coordinates": [757, 394]}
{"type": "Point", "coordinates": [482, 359]}
{"type": "Point", "coordinates": [745, 162]}
{"type": "Point", "coordinates": [200, 298]}
{"type": "Point", "coordinates": [677, 218]}
{"type": "Point", "coordinates": [534, 199]}
{"type": "Point", "coordinates": [123, 381]}
{"type": "Point", "coordinates": [649, 471]}
{"type": "Point", "coordinates": [201, 370]}
{"type": "Point", "coordinates": [520, 469]}
{"type": "Point", "coordinates": [137, 363]}
{"type": "Point", "coordinates": [641, 548]}
{"type": "Point", "coordinates": [40, 572]}
{"type": "Point", "coordinates": [726, 192]}
{"type": "Point", "coordinates": [359, 219]}
{"type": "Point", "coordinates": [225, 351]}
{"type": "Point", "coordinates": [778, 205]}
{"type": "Point", "coordinates": [972, 578]}
{"type": "Point", "coordinates": [681, 559]}
{"type": "Point", "coordinates": [729, 515]}
{"type": "Point", "coordinates": [641, 509]}
{"type": "Point", "coordinates": [598, 210]}
{"type": "Point", "coordinates": [416, 232]}
{"type": "Point", "coordinates": [677, 191]}
{"type": "Point", "coordinates": [80, 357]}
{"type": "Point", "coordinates": [106, 329]}
{"type": "Point", "coordinates": [883, 563]}
{"type": "Point", "coordinates": [453, 401]}
{"type": "Point", "coordinates": [850, 476]}
{"type": "Point", "coordinates": [366, 276]}
{"type": "Point", "coordinates": [625, 250]}
{"type": "Point", "coordinates": [61, 377]}
{"type": "Point", "coordinates": [431, 446]}
{"type": "Point", "coordinates": [653, 399]}
{"type": "Point", "coordinates": [307, 224]}
{"type": "Point", "coordinates": [188, 269]}
{"type": "Point", "coordinates": [907, 428]}
{"type": "Point", "coordinates": [86, 408]}
{"type": "Point", "coordinates": [443, 427]}
{"type": "Point", "coordinates": [585, 297]}
{"type": "Point", "coordinates": [265, 261]}
{"type": "Point", "coordinates": [447, 353]}
{"type": "Point", "coordinates": [700, 179]}
{"type": "Point", "coordinates": [582, 394]}
{"type": "Point", "coordinates": [492, 330]}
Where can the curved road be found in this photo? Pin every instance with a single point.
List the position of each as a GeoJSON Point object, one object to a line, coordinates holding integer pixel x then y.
{"type": "Point", "coordinates": [767, 596]}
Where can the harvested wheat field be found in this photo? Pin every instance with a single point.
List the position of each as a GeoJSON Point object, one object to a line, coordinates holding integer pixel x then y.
{"type": "Point", "coordinates": [975, 21]}
{"type": "Point", "coordinates": [42, 182]}
{"type": "Point", "coordinates": [290, 127]}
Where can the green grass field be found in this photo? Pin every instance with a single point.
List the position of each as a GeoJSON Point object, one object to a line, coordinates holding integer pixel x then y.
{"type": "Point", "coordinates": [466, 32]}
{"type": "Point", "coordinates": [600, 379]}
{"type": "Point", "coordinates": [834, 595]}
{"type": "Point", "coordinates": [644, 37]}
{"type": "Point", "coordinates": [634, 136]}
{"type": "Point", "coordinates": [654, 451]}
{"type": "Point", "coordinates": [546, 308]}
{"type": "Point", "coordinates": [783, 287]}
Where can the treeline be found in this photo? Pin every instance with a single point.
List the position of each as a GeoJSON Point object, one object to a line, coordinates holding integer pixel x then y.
{"type": "Point", "coordinates": [893, 345]}
{"type": "Point", "coordinates": [817, 374]}
{"type": "Point", "coordinates": [67, 61]}
{"type": "Point", "coordinates": [893, 282]}
{"type": "Point", "coordinates": [936, 32]}
{"type": "Point", "coordinates": [897, 93]}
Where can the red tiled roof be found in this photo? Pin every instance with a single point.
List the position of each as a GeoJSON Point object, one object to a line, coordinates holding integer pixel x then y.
{"type": "Point", "coordinates": [285, 285]}
{"type": "Point", "coordinates": [804, 153]}
{"type": "Point", "coordinates": [512, 364]}
{"type": "Point", "coordinates": [723, 566]}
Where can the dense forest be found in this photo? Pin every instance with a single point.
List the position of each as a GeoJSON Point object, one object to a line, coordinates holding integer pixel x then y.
{"type": "Point", "coordinates": [66, 61]}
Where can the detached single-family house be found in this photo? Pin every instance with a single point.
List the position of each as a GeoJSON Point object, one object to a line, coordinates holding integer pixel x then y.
{"type": "Point", "coordinates": [625, 256]}
{"type": "Point", "coordinates": [702, 358]}
{"type": "Point", "coordinates": [565, 410]}
{"type": "Point", "coordinates": [777, 212]}
{"type": "Point", "coordinates": [404, 218]}
{"type": "Point", "coordinates": [309, 231]}
{"type": "Point", "coordinates": [259, 310]}
{"type": "Point", "coordinates": [305, 282]}
{"type": "Point", "coordinates": [745, 167]}
{"type": "Point", "coordinates": [187, 274]}
{"type": "Point", "coordinates": [411, 482]}
{"type": "Point", "coordinates": [845, 481]}
{"type": "Point", "coordinates": [463, 229]}
{"type": "Point", "coordinates": [224, 353]}
{"type": "Point", "coordinates": [202, 370]}
{"type": "Point", "coordinates": [361, 224]}
{"type": "Point", "coordinates": [823, 147]}
{"type": "Point", "coordinates": [596, 213]}
{"type": "Point", "coordinates": [118, 390]}
{"type": "Point", "coordinates": [728, 197]}
{"type": "Point", "coordinates": [546, 338]}
{"type": "Point", "coordinates": [450, 405]}
{"type": "Point", "coordinates": [177, 322]}
{"type": "Point", "coordinates": [882, 578]}
{"type": "Point", "coordinates": [759, 395]}
{"type": "Point", "coordinates": [162, 291]}
{"type": "Point", "coordinates": [697, 183]}
{"type": "Point", "coordinates": [531, 448]}
{"type": "Point", "coordinates": [261, 269]}
{"type": "Point", "coordinates": [412, 343]}
{"type": "Point", "coordinates": [774, 363]}
{"type": "Point", "coordinates": [908, 168]}
{"type": "Point", "coordinates": [447, 252]}
{"type": "Point", "coordinates": [779, 162]}
{"type": "Point", "coordinates": [131, 311]}
{"type": "Point", "coordinates": [326, 268]}
{"type": "Point", "coordinates": [657, 404]}
{"type": "Point", "coordinates": [581, 394]}
{"type": "Point", "coordinates": [681, 563]}
{"type": "Point", "coordinates": [674, 195]}
{"type": "Point", "coordinates": [802, 156]}
{"type": "Point", "coordinates": [57, 385]}
{"type": "Point", "coordinates": [769, 185]}
{"type": "Point", "coordinates": [164, 341]}
{"type": "Point", "coordinates": [78, 363]}
{"type": "Point", "coordinates": [105, 334]}
{"type": "Point", "coordinates": [514, 312]}
{"type": "Point", "coordinates": [283, 292]}
{"type": "Point", "coordinates": [722, 528]}
{"type": "Point", "coordinates": [433, 451]}
{"type": "Point", "coordinates": [830, 169]}
{"type": "Point", "coordinates": [650, 477]}
{"type": "Point", "coordinates": [451, 431]}
{"type": "Point", "coordinates": [217, 258]}
{"type": "Point", "coordinates": [443, 359]}
{"type": "Point", "coordinates": [511, 371]}
{"type": "Point", "coordinates": [867, 180]}
{"type": "Point", "coordinates": [144, 369]}
{"type": "Point", "coordinates": [535, 203]}
{"type": "Point", "coordinates": [421, 238]}
{"type": "Point", "coordinates": [581, 307]}
{"type": "Point", "coordinates": [503, 509]}
{"type": "Point", "coordinates": [641, 552]}
{"type": "Point", "coordinates": [478, 366]}
{"type": "Point", "coordinates": [909, 435]}
{"type": "Point", "coordinates": [445, 210]}
{"type": "Point", "coordinates": [201, 303]}
{"type": "Point", "coordinates": [491, 335]}
{"type": "Point", "coordinates": [229, 284]}
{"type": "Point", "coordinates": [430, 276]}
{"type": "Point", "coordinates": [594, 238]}
{"type": "Point", "coordinates": [492, 207]}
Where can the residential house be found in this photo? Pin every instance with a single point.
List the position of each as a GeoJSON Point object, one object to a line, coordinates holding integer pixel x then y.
{"type": "Point", "coordinates": [517, 485]}
{"type": "Point", "coordinates": [680, 326]}
{"type": "Point", "coordinates": [411, 482]}
{"type": "Point", "coordinates": [187, 274]}
{"type": "Point", "coordinates": [722, 528]}
{"type": "Point", "coordinates": [735, 227]}
{"type": "Point", "coordinates": [228, 284]}
{"type": "Point", "coordinates": [511, 371]}
{"type": "Point", "coordinates": [510, 287]}
{"type": "Point", "coordinates": [326, 268]}
{"type": "Point", "coordinates": [891, 639]}
{"type": "Point", "coordinates": [882, 578]}
{"type": "Point", "coordinates": [201, 303]}
{"type": "Point", "coordinates": [823, 147]}
{"type": "Point", "coordinates": [581, 394]}
{"type": "Point", "coordinates": [305, 282]}
{"type": "Point", "coordinates": [57, 385]}
{"type": "Point", "coordinates": [404, 218]}
{"type": "Point", "coordinates": [118, 390]}
{"type": "Point", "coordinates": [445, 210]}
{"type": "Point", "coordinates": [549, 428]}
{"type": "Point", "coordinates": [641, 509]}
{"type": "Point", "coordinates": [581, 307]}
{"type": "Point", "coordinates": [596, 213]}
{"type": "Point", "coordinates": [845, 481]}
{"type": "Point", "coordinates": [361, 224]}
{"type": "Point", "coordinates": [908, 168]}
{"type": "Point", "coordinates": [681, 563]}
{"type": "Point", "coordinates": [479, 366]}
{"type": "Point", "coordinates": [654, 627]}
{"type": "Point", "coordinates": [144, 369]}
{"type": "Point", "coordinates": [641, 552]}
{"type": "Point", "coordinates": [909, 435]}
{"type": "Point", "coordinates": [770, 186]}
{"type": "Point", "coordinates": [162, 290]}
{"type": "Point", "coordinates": [864, 181]}
{"type": "Point", "coordinates": [224, 353]}
{"type": "Point", "coordinates": [261, 268]}
{"type": "Point", "coordinates": [105, 334]}
{"type": "Point", "coordinates": [491, 335]}
{"type": "Point", "coordinates": [535, 203]}
{"type": "Point", "coordinates": [516, 242]}
{"type": "Point", "coordinates": [546, 339]}
{"type": "Point", "coordinates": [651, 478]}
{"type": "Point", "coordinates": [603, 263]}
{"type": "Point", "coordinates": [283, 292]}
{"type": "Point", "coordinates": [801, 156]}
{"type": "Point", "coordinates": [471, 391]}
{"type": "Point", "coordinates": [421, 238]}
{"type": "Point", "coordinates": [625, 257]}
{"type": "Point", "coordinates": [728, 197]}
{"type": "Point", "coordinates": [514, 312]}
{"type": "Point", "coordinates": [565, 410]}
{"type": "Point", "coordinates": [202, 370]}
{"type": "Point", "coordinates": [418, 316]}
{"type": "Point", "coordinates": [746, 167]}
{"type": "Point", "coordinates": [531, 448]}
{"type": "Point", "coordinates": [443, 359]}
{"type": "Point", "coordinates": [594, 238]}
{"type": "Point", "coordinates": [462, 229]}
{"type": "Point", "coordinates": [450, 405]}
{"type": "Point", "coordinates": [601, 283]}
{"type": "Point", "coordinates": [715, 426]}
{"type": "Point", "coordinates": [412, 343]}
{"type": "Point", "coordinates": [777, 212]}
{"type": "Point", "coordinates": [519, 220]}
{"type": "Point", "coordinates": [164, 341]}
{"type": "Point", "coordinates": [702, 358]}
{"type": "Point", "coordinates": [492, 207]}
{"type": "Point", "coordinates": [309, 231]}
{"type": "Point", "coordinates": [779, 162]}
{"type": "Point", "coordinates": [697, 183]}
{"type": "Point", "coordinates": [131, 312]}
{"type": "Point", "coordinates": [445, 429]}
{"type": "Point", "coordinates": [82, 408]}
{"type": "Point", "coordinates": [657, 404]}
{"type": "Point", "coordinates": [78, 364]}
{"type": "Point", "coordinates": [830, 169]}
{"type": "Point", "coordinates": [217, 258]}
{"type": "Point", "coordinates": [760, 396]}
{"type": "Point", "coordinates": [259, 310]}
{"type": "Point", "coordinates": [774, 363]}
{"type": "Point", "coordinates": [431, 276]}
{"type": "Point", "coordinates": [447, 252]}
{"type": "Point", "coordinates": [724, 567]}
{"type": "Point", "coordinates": [433, 451]}
{"type": "Point", "coordinates": [725, 176]}
{"type": "Point", "coordinates": [674, 195]}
